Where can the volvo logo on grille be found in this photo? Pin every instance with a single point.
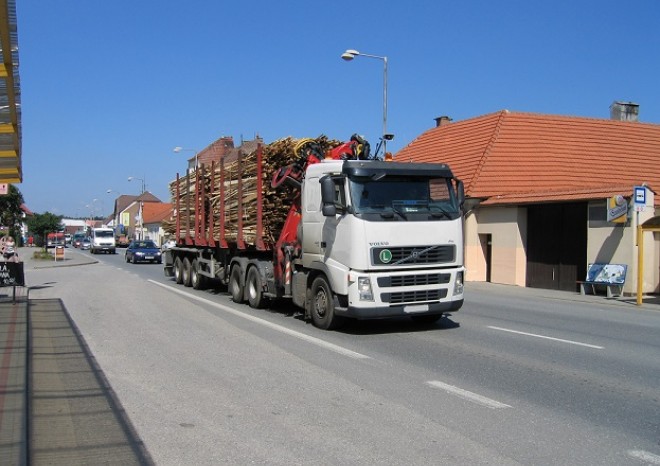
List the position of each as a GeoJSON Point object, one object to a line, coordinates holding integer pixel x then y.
{"type": "Point", "coordinates": [385, 256]}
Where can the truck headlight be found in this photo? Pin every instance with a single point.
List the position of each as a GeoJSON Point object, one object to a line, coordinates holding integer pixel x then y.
{"type": "Point", "coordinates": [458, 284]}
{"type": "Point", "coordinates": [364, 289]}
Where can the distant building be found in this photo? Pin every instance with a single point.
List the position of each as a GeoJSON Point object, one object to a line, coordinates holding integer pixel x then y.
{"type": "Point", "coordinates": [154, 213]}
{"type": "Point", "coordinates": [127, 213]}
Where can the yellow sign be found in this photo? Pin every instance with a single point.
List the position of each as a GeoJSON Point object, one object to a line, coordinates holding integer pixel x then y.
{"type": "Point", "coordinates": [617, 209]}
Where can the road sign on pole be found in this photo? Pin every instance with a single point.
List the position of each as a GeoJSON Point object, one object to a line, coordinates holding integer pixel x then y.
{"type": "Point", "coordinates": [639, 198]}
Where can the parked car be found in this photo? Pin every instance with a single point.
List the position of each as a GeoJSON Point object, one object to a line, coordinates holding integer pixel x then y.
{"type": "Point", "coordinates": [85, 243]}
{"type": "Point", "coordinates": [143, 251]}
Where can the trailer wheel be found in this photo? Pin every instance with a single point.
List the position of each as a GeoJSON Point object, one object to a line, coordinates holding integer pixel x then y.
{"type": "Point", "coordinates": [254, 289]}
{"type": "Point", "coordinates": [186, 272]}
{"type": "Point", "coordinates": [323, 305]}
{"type": "Point", "coordinates": [235, 288]}
{"type": "Point", "coordinates": [178, 271]}
{"type": "Point", "coordinates": [197, 281]}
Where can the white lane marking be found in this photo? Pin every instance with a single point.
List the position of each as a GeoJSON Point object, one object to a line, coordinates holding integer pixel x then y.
{"type": "Point", "coordinates": [546, 337]}
{"type": "Point", "coordinates": [315, 341]}
{"type": "Point", "coordinates": [645, 456]}
{"type": "Point", "coordinates": [470, 396]}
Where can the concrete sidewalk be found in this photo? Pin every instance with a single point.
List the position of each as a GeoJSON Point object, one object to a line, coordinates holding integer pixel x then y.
{"type": "Point", "coordinates": [56, 407]}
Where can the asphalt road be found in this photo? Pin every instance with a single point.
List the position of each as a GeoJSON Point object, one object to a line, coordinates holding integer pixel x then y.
{"type": "Point", "coordinates": [515, 377]}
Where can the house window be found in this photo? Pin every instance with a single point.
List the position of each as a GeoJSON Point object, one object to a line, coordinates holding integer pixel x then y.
{"type": "Point", "coordinates": [598, 216]}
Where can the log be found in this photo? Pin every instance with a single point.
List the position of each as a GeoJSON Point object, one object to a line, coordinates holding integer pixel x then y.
{"type": "Point", "coordinates": [276, 201]}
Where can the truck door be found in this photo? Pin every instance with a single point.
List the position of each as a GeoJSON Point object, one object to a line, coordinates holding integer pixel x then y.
{"type": "Point", "coordinates": [312, 220]}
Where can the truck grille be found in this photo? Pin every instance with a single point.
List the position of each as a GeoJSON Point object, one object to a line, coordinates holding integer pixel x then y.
{"type": "Point", "coordinates": [413, 255]}
{"type": "Point", "coordinates": [408, 297]}
{"type": "Point", "coordinates": [414, 280]}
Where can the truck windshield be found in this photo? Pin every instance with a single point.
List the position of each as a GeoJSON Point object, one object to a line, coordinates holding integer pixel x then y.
{"type": "Point", "coordinates": [104, 233]}
{"type": "Point", "coordinates": [404, 198]}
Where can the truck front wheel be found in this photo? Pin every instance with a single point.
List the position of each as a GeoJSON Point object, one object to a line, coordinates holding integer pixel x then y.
{"type": "Point", "coordinates": [323, 305]}
{"type": "Point", "coordinates": [235, 288]}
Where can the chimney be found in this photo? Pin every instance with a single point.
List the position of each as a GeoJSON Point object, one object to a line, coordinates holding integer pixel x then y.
{"type": "Point", "coordinates": [624, 111]}
{"type": "Point", "coordinates": [442, 121]}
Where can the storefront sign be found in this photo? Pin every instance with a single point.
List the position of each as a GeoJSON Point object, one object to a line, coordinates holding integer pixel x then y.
{"type": "Point", "coordinates": [617, 209]}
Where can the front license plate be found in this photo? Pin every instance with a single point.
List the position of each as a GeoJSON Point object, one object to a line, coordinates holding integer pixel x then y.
{"type": "Point", "coordinates": [148, 257]}
{"type": "Point", "coordinates": [416, 308]}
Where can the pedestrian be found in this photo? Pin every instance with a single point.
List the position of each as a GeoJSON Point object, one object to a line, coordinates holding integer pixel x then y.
{"type": "Point", "coordinates": [30, 241]}
{"type": "Point", "coordinates": [9, 250]}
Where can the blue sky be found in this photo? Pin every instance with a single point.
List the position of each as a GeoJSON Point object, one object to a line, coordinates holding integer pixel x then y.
{"type": "Point", "coordinates": [108, 89]}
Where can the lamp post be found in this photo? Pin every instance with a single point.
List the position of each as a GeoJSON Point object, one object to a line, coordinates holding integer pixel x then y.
{"type": "Point", "coordinates": [115, 220]}
{"type": "Point", "coordinates": [131, 178]}
{"type": "Point", "coordinates": [92, 212]}
{"type": "Point", "coordinates": [178, 149]}
{"type": "Point", "coordinates": [349, 55]}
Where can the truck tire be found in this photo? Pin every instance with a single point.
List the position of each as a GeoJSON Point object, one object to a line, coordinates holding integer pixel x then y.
{"type": "Point", "coordinates": [254, 289]}
{"type": "Point", "coordinates": [197, 281]}
{"type": "Point", "coordinates": [323, 305]}
{"type": "Point", "coordinates": [178, 271]}
{"type": "Point", "coordinates": [235, 288]}
{"type": "Point", "coordinates": [187, 266]}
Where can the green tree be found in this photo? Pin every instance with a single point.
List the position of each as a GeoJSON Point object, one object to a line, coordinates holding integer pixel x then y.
{"type": "Point", "coordinates": [42, 224]}
{"type": "Point", "coordinates": [11, 214]}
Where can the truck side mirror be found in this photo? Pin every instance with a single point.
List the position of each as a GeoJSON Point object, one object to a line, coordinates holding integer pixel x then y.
{"type": "Point", "coordinates": [460, 191]}
{"type": "Point", "coordinates": [328, 208]}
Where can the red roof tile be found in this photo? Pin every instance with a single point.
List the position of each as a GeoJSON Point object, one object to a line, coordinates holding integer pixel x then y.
{"type": "Point", "coordinates": [513, 157]}
{"type": "Point", "coordinates": [156, 212]}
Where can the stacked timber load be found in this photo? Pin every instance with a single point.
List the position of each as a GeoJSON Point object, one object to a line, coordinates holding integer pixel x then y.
{"type": "Point", "coordinates": [184, 190]}
{"type": "Point", "coordinates": [239, 172]}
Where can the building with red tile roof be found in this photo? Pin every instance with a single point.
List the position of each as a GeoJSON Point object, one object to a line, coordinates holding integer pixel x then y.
{"type": "Point", "coordinates": [153, 215]}
{"type": "Point", "coordinates": [538, 188]}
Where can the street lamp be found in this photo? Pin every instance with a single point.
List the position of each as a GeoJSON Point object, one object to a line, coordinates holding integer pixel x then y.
{"type": "Point", "coordinates": [131, 178]}
{"type": "Point", "coordinates": [178, 149]}
{"type": "Point", "coordinates": [115, 218]}
{"type": "Point", "coordinates": [349, 55]}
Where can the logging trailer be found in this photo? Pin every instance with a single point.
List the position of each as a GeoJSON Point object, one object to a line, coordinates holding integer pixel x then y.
{"type": "Point", "coordinates": [363, 238]}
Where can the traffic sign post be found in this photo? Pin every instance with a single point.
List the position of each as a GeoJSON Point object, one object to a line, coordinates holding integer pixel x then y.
{"type": "Point", "coordinates": [639, 198]}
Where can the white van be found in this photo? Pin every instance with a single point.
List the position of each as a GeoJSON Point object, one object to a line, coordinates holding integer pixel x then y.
{"type": "Point", "coordinates": [102, 239]}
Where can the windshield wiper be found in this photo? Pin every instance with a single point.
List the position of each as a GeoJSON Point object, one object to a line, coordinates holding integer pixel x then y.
{"type": "Point", "coordinates": [399, 211]}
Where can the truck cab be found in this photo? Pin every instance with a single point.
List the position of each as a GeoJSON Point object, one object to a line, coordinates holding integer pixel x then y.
{"type": "Point", "coordinates": [387, 236]}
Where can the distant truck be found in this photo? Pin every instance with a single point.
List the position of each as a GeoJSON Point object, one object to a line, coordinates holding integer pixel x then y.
{"type": "Point", "coordinates": [55, 239]}
{"type": "Point", "coordinates": [363, 238]}
{"type": "Point", "coordinates": [102, 240]}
